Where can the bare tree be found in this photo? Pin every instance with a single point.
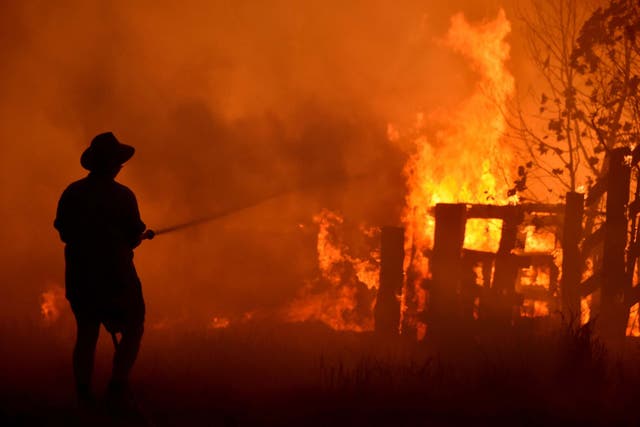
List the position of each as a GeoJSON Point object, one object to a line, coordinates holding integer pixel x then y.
{"type": "Point", "coordinates": [607, 58]}
{"type": "Point", "coordinates": [555, 143]}
{"type": "Point", "coordinates": [588, 58]}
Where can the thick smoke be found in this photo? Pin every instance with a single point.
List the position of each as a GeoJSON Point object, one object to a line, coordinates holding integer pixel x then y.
{"type": "Point", "coordinates": [225, 102]}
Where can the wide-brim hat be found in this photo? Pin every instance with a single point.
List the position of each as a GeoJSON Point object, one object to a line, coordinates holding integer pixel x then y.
{"type": "Point", "coordinates": [105, 152]}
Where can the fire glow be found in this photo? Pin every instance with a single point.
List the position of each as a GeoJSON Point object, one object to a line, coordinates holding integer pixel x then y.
{"type": "Point", "coordinates": [52, 302]}
{"type": "Point", "coordinates": [344, 295]}
{"type": "Point", "coordinates": [465, 162]}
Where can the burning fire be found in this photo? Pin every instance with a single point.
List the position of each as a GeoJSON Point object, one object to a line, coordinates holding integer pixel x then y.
{"type": "Point", "coordinates": [539, 239]}
{"type": "Point", "coordinates": [466, 161]}
{"type": "Point", "coordinates": [219, 322]}
{"type": "Point", "coordinates": [52, 302]}
{"type": "Point", "coordinates": [534, 308]}
{"type": "Point", "coordinates": [535, 276]}
{"type": "Point", "coordinates": [585, 302]}
{"type": "Point", "coordinates": [223, 322]}
{"type": "Point", "coordinates": [633, 325]}
{"type": "Point", "coordinates": [344, 295]}
{"type": "Point", "coordinates": [585, 309]}
{"type": "Point", "coordinates": [472, 165]}
{"type": "Point", "coordinates": [469, 157]}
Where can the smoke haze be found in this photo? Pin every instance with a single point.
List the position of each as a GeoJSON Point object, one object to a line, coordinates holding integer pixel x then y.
{"type": "Point", "coordinates": [225, 102]}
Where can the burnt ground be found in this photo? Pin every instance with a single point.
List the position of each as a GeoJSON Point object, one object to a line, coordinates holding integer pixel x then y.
{"type": "Point", "coordinates": [270, 374]}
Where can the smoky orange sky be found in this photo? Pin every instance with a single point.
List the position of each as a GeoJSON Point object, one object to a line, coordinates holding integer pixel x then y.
{"type": "Point", "coordinates": [225, 102]}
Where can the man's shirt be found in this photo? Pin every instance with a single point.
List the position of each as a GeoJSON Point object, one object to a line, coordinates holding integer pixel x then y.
{"type": "Point", "coordinates": [100, 223]}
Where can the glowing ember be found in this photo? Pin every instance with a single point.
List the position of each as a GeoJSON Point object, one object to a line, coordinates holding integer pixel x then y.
{"type": "Point", "coordinates": [534, 308]}
{"type": "Point", "coordinates": [476, 308]}
{"type": "Point", "coordinates": [585, 309]}
{"type": "Point", "coordinates": [219, 322]}
{"type": "Point", "coordinates": [633, 325]}
{"type": "Point", "coordinates": [585, 303]}
{"type": "Point", "coordinates": [52, 302]}
{"type": "Point", "coordinates": [222, 322]}
{"type": "Point", "coordinates": [535, 276]}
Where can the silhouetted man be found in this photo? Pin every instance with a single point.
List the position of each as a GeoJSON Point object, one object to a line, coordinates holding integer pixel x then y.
{"type": "Point", "coordinates": [99, 221]}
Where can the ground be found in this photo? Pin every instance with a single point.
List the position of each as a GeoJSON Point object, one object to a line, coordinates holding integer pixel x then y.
{"type": "Point", "coordinates": [274, 374]}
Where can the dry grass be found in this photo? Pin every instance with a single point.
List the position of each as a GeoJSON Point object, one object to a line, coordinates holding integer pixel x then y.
{"type": "Point", "coordinates": [286, 374]}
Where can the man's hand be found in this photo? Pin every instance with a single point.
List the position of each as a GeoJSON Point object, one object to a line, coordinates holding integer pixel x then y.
{"type": "Point", "coordinates": [148, 235]}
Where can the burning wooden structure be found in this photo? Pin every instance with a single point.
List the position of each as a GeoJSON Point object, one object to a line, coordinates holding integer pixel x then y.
{"type": "Point", "coordinates": [468, 284]}
{"type": "Point", "coordinates": [588, 272]}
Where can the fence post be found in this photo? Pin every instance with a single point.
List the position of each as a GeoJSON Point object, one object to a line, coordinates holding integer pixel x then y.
{"type": "Point", "coordinates": [387, 310]}
{"type": "Point", "coordinates": [446, 268]}
{"type": "Point", "coordinates": [614, 312]}
{"type": "Point", "coordinates": [503, 297]}
{"type": "Point", "coordinates": [571, 268]}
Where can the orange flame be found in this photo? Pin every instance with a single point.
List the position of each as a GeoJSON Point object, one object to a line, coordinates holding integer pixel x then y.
{"type": "Point", "coordinates": [344, 295]}
{"type": "Point", "coordinates": [466, 161]}
{"type": "Point", "coordinates": [219, 322]}
{"type": "Point", "coordinates": [585, 309]}
{"type": "Point", "coordinates": [471, 165]}
{"type": "Point", "coordinates": [585, 302]}
{"type": "Point", "coordinates": [535, 276]}
{"type": "Point", "coordinates": [534, 308]}
{"type": "Point", "coordinates": [633, 325]}
{"type": "Point", "coordinates": [223, 322]}
{"type": "Point", "coordinates": [52, 301]}
{"type": "Point", "coordinates": [539, 239]}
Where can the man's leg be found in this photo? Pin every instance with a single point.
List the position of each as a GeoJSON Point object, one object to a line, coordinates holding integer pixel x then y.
{"type": "Point", "coordinates": [126, 353]}
{"type": "Point", "coordinates": [130, 323]}
{"type": "Point", "coordinates": [88, 329]}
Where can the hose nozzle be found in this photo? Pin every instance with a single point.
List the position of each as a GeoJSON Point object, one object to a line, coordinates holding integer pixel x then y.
{"type": "Point", "coordinates": [148, 235]}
